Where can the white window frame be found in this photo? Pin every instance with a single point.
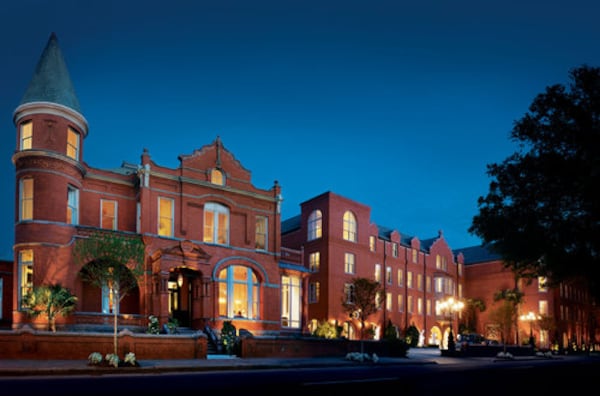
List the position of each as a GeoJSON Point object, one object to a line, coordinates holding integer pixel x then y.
{"type": "Point", "coordinates": [73, 205]}
{"type": "Point", "coordinates": [315, 225]}
{"type": "Point", "coordinates": [213, 231]}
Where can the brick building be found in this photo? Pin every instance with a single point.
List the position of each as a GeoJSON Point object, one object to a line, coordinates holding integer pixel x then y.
{"type": "Point", "coordinates": [340, 243]}
{"type": "Point", "coordinates": [562, 316]}
{"type": "Point", "coordinates": [212, 239]}
{"type": "Point", "coordinates": [421, 278]}
{"type": "Point", "coordinates": [216, 248]}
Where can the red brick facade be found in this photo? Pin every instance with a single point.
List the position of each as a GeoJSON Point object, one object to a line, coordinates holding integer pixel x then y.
{"type": "Point", "coordinates": [192, 275]}
{"type": "Point", "coordinates": [408, 267]}
{"type": "Point", "coordinates": [189, 275]}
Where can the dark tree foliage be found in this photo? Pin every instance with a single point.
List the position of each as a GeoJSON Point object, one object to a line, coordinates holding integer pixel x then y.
{"type": "Point", "coordinates": [362, 301]}
{"type": "Point", "coordinates": [541, 213]}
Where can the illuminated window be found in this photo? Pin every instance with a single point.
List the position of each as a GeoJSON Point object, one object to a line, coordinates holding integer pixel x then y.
{"type": "Point", "coordinates": [217, 177]}
{"type": "Point", "coordinates": [428, 284]}
{"type": "Point", "coordinates": [542, 284]}
{"type": "Point", "coordinates": [415, 255]}
{"type": "Point", "coordinates": [26, 199]}
{"type": "Point", "coordinates": [216, 223]}
{"type": "Point", "coordinates": [428, 307]}
{"type": "Point", "coordinates": [108, 214]}
{"type": "Point", "coordinates": [314, 261]}
{"type": "Point", "coordinates": [349, 263]}
{"type": "Point", "coordinates": [400, 303]}
{"type": "Point", "coordinates": [165, 217]}
{"type": "Point", "coordinates": [26, 135]}
{"type": "Point", "coordinates": [291, 301]}
{"type": "Point", "coordinates": [349, 233]}
{"type": "Point", "coordinates": [349, 293]}
{"type": "Point", "coordinates": [73, 144]}
{"type": "Point", "coordinates": [261, 232]}
{"type": "Point", "coordinates": [72, 205]}
{"type": "Point", "coordinates": [543, 307]}
{"type": "Point", "coordinates": [420, 281]}
{"type": "Point", "coordinates": [388, 275]}
{"type": "Point", "coordinates": [238, 292]}
{"type": "Point", "coordinates": [438, 283]}
{"type": "Point", "coordinates": [394, 249]}
{"type": "Point", "coordinates": [25, 274]}
{"type": "Point", "coordinates": [377, 272]}
{"type": "Point", "coordinates": [409, 307]}
{"type": "Point", "coordinates": [388, 301]}
{"type": "Point", "coordinates": [315, 225]}
{"type": "Point", "coordinates": [420, 306]}
{"type": "Point", "coordinates": [400, 277]}
{"type": "Point", "coordinates": [409, 279]}
{"type": "Point", "coordinates": [313, 292]}
{"type": "Point", "coordinates": [372, 243]}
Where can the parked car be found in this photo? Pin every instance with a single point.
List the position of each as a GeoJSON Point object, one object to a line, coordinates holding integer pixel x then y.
{"type": "Point", "coordinates": [464, 340]}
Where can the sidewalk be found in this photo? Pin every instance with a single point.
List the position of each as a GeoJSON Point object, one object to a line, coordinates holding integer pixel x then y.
{"type": "Point", "coordinates": [15, 367]}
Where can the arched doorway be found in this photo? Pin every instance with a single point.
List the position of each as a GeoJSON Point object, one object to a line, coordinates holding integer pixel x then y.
{"type": "Point", "coordinates": [180, 295]}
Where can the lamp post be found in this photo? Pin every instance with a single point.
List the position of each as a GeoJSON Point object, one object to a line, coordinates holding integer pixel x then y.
{"type": "Point", "coordinates": [530, 317]}
{"type": "Point", "coordinates": [451, 306]}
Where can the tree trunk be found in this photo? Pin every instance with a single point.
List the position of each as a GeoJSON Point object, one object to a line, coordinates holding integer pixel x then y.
{"type": "Point", "coordinates": [115, 298]}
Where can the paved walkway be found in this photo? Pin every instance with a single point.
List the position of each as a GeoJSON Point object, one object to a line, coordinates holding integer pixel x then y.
{"type": "Point", "coordinates": [15, 367]}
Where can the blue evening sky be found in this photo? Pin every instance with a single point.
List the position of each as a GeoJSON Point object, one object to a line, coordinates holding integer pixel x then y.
{"type": "Point", "coordinates": [399, 105]}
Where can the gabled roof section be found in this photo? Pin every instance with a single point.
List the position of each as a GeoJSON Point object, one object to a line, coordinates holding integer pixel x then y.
{"type": "Point", "coordinates": [386, 232]}
{"type": "Point", "coordinates": [51, 81]}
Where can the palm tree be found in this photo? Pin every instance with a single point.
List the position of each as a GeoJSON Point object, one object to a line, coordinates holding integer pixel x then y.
{"type": "Point", "coordinates": [50, 301]}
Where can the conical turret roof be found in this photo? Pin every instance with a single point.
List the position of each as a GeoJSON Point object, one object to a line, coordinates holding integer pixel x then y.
{"type": "Point", "coordinates": [51, 81]}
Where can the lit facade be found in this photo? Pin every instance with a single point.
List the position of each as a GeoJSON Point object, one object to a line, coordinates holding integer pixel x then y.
{"type": "Point", "coordinates": [212, 239]}
{"type": "Point", "coordinates": [217, 249]}
{"type": "Point", "coordinates": [340, 243]}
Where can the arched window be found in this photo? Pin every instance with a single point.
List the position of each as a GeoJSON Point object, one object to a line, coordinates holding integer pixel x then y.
{"type": "Point", "coordinates": [216, 223]}
{"type": "Point", "coordinates": [217, 177]}
{"type": "Point", "coordinates": [238, 292]}
{"type": "Point", "coordinates": [315, 225]}
{"type": "Point", "coordinates": [349, 227]}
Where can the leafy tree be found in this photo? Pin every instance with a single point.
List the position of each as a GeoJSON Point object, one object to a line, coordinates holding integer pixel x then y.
{"type": "Point", "coordinates": [472, 307]}
{"type": "Point", "coordinates": [50, 301]}
{"type": "Point", "coordinates": [542, 211]}
{"type": "Point", "coordinates": [506, 316]}
{"type": "Point", "coordinates": [412, 335]}
{"type": "Point", "coordinates": [360, 301]}
{"type": "Point", "coordinates": [229, 337]}
{"type": "Point", "coordinates": [111, 260]}
{"type": "Point", "coordinates": [325, 329]}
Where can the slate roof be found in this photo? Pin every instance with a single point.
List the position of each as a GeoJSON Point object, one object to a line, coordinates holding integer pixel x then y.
{"type": "Point", "coordinates": [477, 254]}
{"type": "Point", "coordinates": [51, 81]}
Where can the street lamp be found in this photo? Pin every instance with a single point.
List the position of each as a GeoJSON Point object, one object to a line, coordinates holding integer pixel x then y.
{"type": "Point", "coordinates": [530, 317]}
{"type": "Point", "coordinates": [451, 306]}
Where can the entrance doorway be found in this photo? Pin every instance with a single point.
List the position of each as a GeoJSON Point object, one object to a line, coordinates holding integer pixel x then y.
{"type": "Point", "coordinates": [180, 297]}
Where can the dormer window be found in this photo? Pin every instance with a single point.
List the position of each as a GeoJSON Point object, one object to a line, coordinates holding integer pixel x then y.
{"type": "Point", "coordinates": [217, 177]}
